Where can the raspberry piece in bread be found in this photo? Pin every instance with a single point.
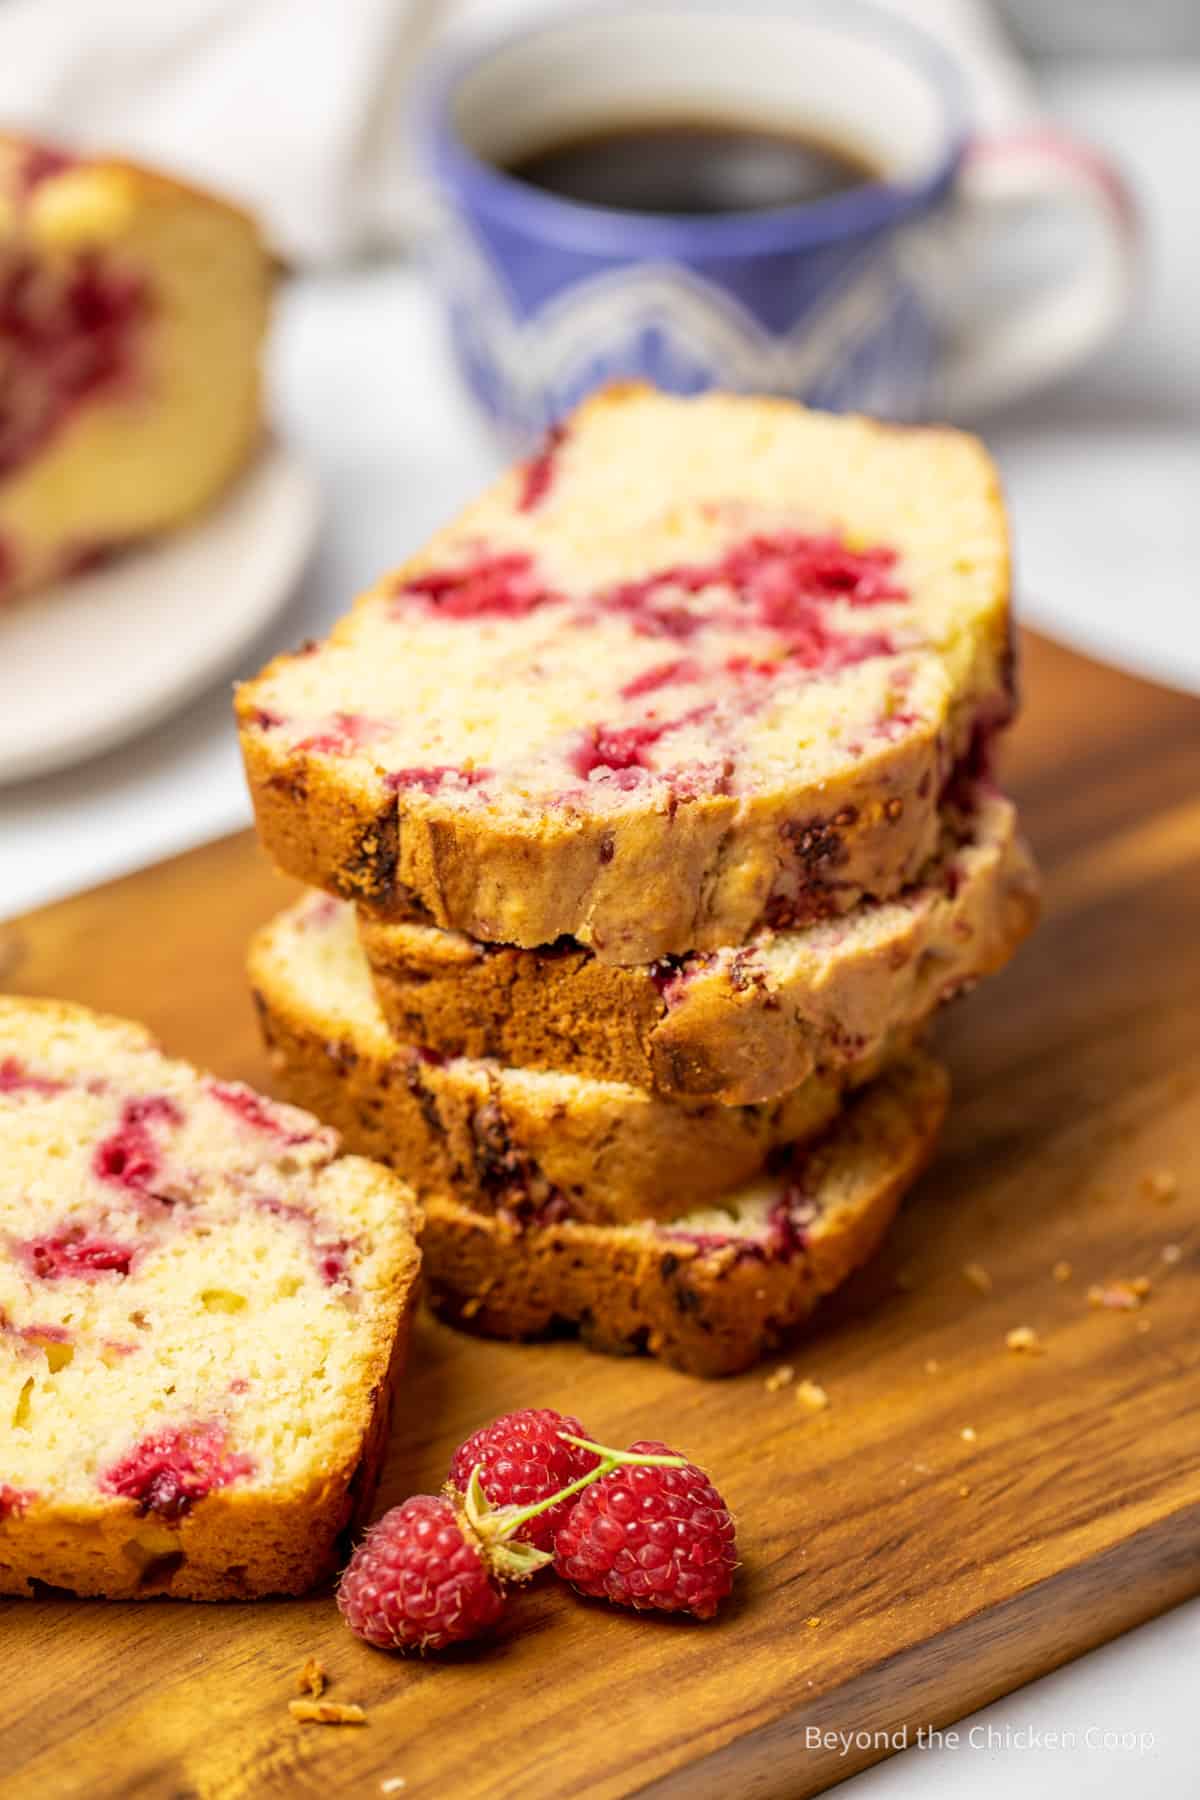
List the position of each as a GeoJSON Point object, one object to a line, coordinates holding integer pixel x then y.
{"type": "Point", "coordinates": [713, 1292]}
{"type": "Point", "coordinates": [532, 1144]}
{"type": "Point", "coordinates": [203, 1312]}
{"type": "Point", "coordinates": [132, 311]}
{"type": "Point", "coordinates": [738, 1025]}
{"type": "Point", "coordinates": [712, 672]}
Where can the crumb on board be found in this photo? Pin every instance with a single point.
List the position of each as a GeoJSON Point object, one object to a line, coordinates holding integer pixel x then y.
{"type": "Point", "coordinates": [813, 1621]}
{"type": "Point", "coordinates": [978, 1277]}
{"type": "Point", "coordinates": [963, 1491]}
{"type": "Point", "coordinates": [471, 1307]}
{"type": "Point", "coordinates": [811, 1395]}
{"type": "Point", "coordinates": [779, 1378]}
{"type": "Point", "coordinates": [395, 1784]}
{"type": "Point", "coordinates": [1024, 1340]}
{"type": "Point", "coordinates": [1160, 1184]}
{"type": "Point", "coordinates": [1120, 1296]}
{"type": "Point", "coordinates": [932, 1365]}
{"type": "Point", "coordinates": [326, 1712]}
{"type": "Point", "coordinates": [312, 1678]}
{"type": "Point", "coordinates": [1172, 1254]}
{"type": "Point", "coordinates": [968, 1434]}
{"type": "Point", "coordinates": [1062, 1271]}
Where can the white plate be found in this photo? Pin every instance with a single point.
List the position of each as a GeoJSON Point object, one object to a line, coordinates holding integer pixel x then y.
{"type": "Point", "coordinates": [91, 662]}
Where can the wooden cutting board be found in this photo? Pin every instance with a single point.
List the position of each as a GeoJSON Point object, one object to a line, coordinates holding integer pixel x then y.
{"type": "Point", "coordinates": [960, 1519]}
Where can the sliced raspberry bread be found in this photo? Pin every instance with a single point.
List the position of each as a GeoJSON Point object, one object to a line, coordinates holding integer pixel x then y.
{"type": "Point", "coordinates": [132, 312]}
{"type": "Point", "coordinates": [532, 1144]}
{"type": "Point", "coordinates": [704, 665]}
{"type": "Point", "coordinates": [738, 1025]}
{"type": "Point", "coordinates": [714, 1291]}
{"type": "Point", "coordinates": [203, 1312]}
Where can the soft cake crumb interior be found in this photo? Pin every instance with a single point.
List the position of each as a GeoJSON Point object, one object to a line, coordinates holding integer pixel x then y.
{"type": "Point", "coordinates": [182, 1262]}
{"type": "Point", "coordinates": [660, 624]}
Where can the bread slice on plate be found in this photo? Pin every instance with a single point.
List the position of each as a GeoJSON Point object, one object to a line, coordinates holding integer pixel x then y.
{"type": "Point", "coordinates": [705, 665]}
{"type": "Point", "coordinates": [532, 1144]}
{"type": "Point", "coordinates": [713, 1292]}
{"type": "Point", "coordinates": [132, 314]}
{"type": "Point", "coordinates": [740, 1025]}
{"type": "Point", "coordinates": [204, 1310]}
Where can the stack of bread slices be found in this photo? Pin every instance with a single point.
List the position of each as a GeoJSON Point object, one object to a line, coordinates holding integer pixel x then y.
{"type": "Point", "coordinates": [651, 815]}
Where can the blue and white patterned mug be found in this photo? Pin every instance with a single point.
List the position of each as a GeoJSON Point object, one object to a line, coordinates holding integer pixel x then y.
{"type": "Point", "coordinates": [846, 302]}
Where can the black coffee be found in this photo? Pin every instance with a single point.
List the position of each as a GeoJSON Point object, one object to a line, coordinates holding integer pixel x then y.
{"type": "Point", "coordinates": [694, 166]}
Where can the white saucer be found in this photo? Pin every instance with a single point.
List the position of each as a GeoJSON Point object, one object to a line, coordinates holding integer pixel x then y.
{"type": "Point", "coordinates": [91, 662]}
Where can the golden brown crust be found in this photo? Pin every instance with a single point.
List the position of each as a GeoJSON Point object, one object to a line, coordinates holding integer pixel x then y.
{"type": "Point", "coordinates": [741, 1027]}
{"type": "Point", "coordinates": [506, 1140]}
{"type": "Point", "coordinates": [554, 1008]}
{"type": "Point", "coordinates": [231, 1547]}
{"type": "Point", "coordinates": [632, 888]}
{"type": "Point", "coordinates": [706, 1311]}
{"type": "Point", "coordinates": [154, 183]}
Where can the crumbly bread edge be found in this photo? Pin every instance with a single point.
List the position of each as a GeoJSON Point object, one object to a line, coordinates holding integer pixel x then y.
{"type": "Point", "coordinates": [737, 1042]}
{"type": "Point", "coordinates": [503, 1139]}
{"type": "Point", "coordinates": [705, 1312]}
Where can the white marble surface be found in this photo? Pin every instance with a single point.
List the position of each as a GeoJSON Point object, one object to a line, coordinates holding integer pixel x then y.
{"type": "Point", "coordinates": [1104, 478]}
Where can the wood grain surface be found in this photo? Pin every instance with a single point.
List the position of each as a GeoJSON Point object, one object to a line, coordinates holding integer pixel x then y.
{"type": "Point", "coordinates": [895, 1572]}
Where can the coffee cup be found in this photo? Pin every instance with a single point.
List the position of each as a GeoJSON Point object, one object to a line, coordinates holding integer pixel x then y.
{"type": "Point", "coordinates": [858, 299]}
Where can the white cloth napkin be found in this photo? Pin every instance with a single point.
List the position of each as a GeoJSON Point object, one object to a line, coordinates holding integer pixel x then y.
{"type": "Point", "coordinates": [289, 106]}
{"type": "Point", "coordinates": [295, 107]}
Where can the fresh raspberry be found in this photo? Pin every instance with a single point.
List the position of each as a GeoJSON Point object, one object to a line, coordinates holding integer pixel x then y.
{"type": "Point", "coordinates": [522, 1459]}
{"type": "Point", "coordinates": [648, 1536]}
{"type": "Point", "coordinates": [418, 1581]}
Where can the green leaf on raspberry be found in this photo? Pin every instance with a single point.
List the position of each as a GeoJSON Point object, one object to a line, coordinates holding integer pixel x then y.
{"type": "Point", "coordinates": [493, 1527]}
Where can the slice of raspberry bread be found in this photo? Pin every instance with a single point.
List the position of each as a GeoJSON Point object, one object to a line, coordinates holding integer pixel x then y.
{"type": "Point", "coordinates": [203, 1312]}
{"type": "Point", "coordinates": [719, 1288]}
{"type": "Point", "coordinates": [532, 1144]}
{"type": "Point", "coordinates": [132, 312]}
{"type": "Point", "coordinates": [705, 665]}
{"type": "Point", "coordinates": [738, 1025]}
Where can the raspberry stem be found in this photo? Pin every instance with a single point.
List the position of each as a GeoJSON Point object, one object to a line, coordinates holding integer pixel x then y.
{"type": "Point", "coordinates": [633, 1457]}
{"type": "Point", "coordinates": [495, 1526]}
{"type": "Point", "coordinates": [609, 1459]}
